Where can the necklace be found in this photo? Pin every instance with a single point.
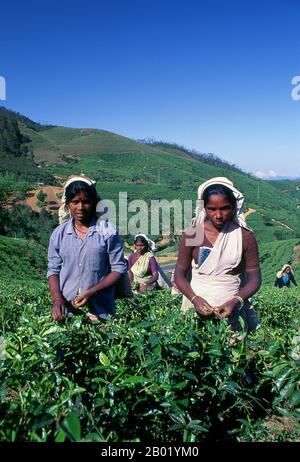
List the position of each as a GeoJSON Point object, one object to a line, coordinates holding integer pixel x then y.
{"type": "Point", "coordinates": [82, 232]}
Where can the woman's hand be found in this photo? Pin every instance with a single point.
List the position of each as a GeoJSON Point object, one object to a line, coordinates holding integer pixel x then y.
{"type": "Point", "coordinates": [57, 311]}
{"type": "Point", "coordinates": [203, 307]}
{"type": "Point", "coordinates": [225, 310]}
{"type": "Point", "coordinates": [143, 288]}
{"type": "Point", "coordinates": [81, 299]}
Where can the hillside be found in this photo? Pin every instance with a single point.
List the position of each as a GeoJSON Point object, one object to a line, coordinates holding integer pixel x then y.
{"type": "Point", "coordinates": [289, 188]}
{"type": "Point", "coordinates": [16, 157]}
{"type": "Point", "coordinates": [157, 171]}
{"type": "Point", "coordinates": [21, 259]}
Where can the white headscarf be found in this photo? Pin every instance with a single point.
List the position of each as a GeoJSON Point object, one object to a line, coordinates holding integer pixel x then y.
{"type": "Point", "coordinates": [239, 215]}
{"type": "Point", "coordinates": [280, 273]}
{"type": "Point", "coordinates": [64, 212]}
{"type": "Point", "coordinates": [151, 244]}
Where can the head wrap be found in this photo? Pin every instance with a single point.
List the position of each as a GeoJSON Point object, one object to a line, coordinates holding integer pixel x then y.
{"type": "Point", "coordinates": [280, 273]}
{"type": "Point", "coordinates": [239, 218]}
{"type": "Point", "coordinates": [151, 244]}
{"type": "Point", "coordinates": [63, 212]}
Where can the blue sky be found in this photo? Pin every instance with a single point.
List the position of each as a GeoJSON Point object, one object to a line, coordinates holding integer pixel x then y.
{"type": "Point", "coordinates": [211, 75]}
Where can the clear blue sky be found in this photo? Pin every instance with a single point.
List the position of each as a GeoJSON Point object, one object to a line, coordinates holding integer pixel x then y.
{"type": "Point", "coordinates": [212, 75]}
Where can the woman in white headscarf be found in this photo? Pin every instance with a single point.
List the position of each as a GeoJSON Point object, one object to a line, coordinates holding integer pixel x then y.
{"type": "Point", "coordinates": [142, 265]}
{"type": "Point", "coordinates": [218, 263]}
{"type": "Point", "coordinates": [85, 255]}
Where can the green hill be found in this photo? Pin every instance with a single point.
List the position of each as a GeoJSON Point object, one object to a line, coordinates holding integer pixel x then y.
{"type": "Point", "coordinates": [16, 157]}
{"type": "Point", "coordinates": [155, 171]}
{"type": "Point", "coordinates": [289, 188]}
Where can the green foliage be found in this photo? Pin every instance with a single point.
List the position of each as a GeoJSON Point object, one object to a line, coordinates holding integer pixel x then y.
{"type": "Point", "coordinates": [273, 255]}
{"type": "Point", "coordinates": [21, 259]}
{"type": "Point", "coordinates": [19, 118]}
{"type": "Point", "coordinates": [211, 159]}
{"type": "Point", "coordinates": [16, 155]}
{"type": "Point", "coordinates": [23, 222]}
{"type": "Point", "coordinates": [9, 184]}
{"type": "Point", "coordinates": [150, 374]}
{"type": "Point", "coordinates": [41, 196]}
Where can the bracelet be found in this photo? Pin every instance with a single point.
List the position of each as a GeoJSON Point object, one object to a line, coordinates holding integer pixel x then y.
{"type": "Point", "coordinates": [240, 300]}
{"type": "Point", "coordinates": [193, 298]}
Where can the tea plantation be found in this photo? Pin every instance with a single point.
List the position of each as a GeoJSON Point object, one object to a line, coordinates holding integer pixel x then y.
{"type": "Point", "coordinates": [150, 374]}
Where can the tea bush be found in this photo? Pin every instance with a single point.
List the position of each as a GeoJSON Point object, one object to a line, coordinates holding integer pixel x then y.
{"type": "Point", "coordinates": [150, 374]}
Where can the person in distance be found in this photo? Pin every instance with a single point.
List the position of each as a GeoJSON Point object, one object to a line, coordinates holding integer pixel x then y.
{"type": "Point", "coordinates": [142, 265]}
{"type": "Point", "coordinates": [284, 277]}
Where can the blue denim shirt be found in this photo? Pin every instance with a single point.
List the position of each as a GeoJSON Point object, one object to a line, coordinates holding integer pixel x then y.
{"type": "Point", "coordinates": [82, 264]}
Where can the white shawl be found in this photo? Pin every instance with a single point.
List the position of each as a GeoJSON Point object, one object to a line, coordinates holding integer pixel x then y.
{"type": "Point", "coordinates": [63, 212]}
{"type": "Point", "coordinates": [211, 280]}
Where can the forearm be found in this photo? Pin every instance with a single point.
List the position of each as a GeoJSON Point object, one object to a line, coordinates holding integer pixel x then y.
{"type": "Point", "coordinates": [130, 275]}
{"type": "Point", "coordinates": [251, 287]}
{"type": "Point", "coordinates": [202, 306]}
{"type": "Point", "coordinates": [153, 278]}
{"type": "Point", "coordinates": [57, 298]}
{"type": "Point", "coordinates": [183, 284]}
{"type": "Point", "coordinates": [53, 282]}
{"type": "Point", "coordinates": [107, 282]}
{"type": "Point", "coordinates": [293, 281]}
{"type": "Point", "coordinates": [183, 266]}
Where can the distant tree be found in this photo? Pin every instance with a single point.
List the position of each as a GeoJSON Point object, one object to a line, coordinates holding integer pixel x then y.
{"type": "Point", "coordinates": [16, 155]}
{"type": "Point", "coordinates": [22, 221]}
{"type": "Point", "coordinates": [41, 196]}
{"type": "Point", "coordinates": [206, 158]}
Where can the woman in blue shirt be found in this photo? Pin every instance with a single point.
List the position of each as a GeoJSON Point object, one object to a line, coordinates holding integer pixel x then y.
{"type": "Point", "coordinates": [85, 255]}
{"type": "Point", "coordinates": [284, 277]}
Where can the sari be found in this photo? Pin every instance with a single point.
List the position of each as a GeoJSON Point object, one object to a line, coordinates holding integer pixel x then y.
{"type": "Point", "coordinates": [140, 268]}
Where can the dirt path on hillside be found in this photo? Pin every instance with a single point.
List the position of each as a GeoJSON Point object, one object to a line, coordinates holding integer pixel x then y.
{"type": "Point", "coordinates": [165, 259]}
